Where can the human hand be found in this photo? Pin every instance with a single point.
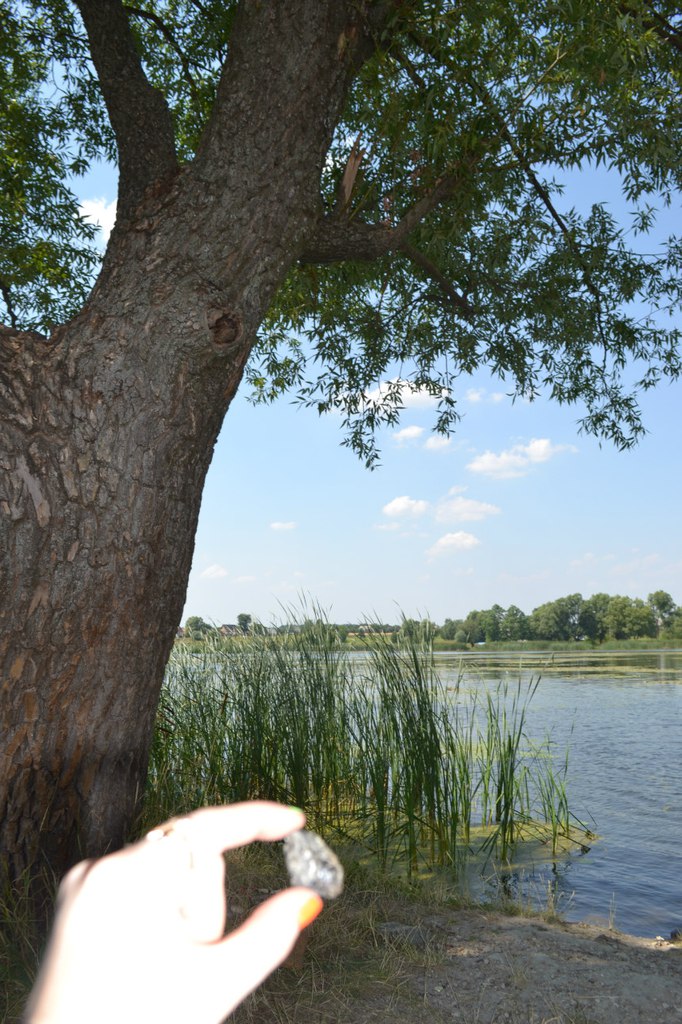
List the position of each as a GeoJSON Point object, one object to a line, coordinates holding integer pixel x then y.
{"type": "Point", "coordinates": [138, 935]}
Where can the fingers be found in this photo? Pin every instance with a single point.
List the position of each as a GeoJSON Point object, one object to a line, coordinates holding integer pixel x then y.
{"type": "Point", "coordinates": [187, 858]}
{"type": "Point", "coordinates": [214, 829]}
{"type": "Point", "coordinates": [72, 880]}
{"type": "Point", "coordinates": [261, 944]}
{"type": "Point", "coordinates": [201, 898]}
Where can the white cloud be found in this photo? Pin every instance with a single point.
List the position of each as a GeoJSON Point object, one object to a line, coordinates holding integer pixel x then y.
{"type": "Point", "coordinates": [405, 506]}
{"type": "Point", "coordinates": [387, 526]}
{"type": "Point", "coordinates": [638, 564]}
{"type": "Point", "coordinates": [100, 212]}
{"type": "Point", "coordinates": [283, 526]}
{"type": "Point", "coordinates": [214, 572]}
{"type": "Point", "coordinates": [518, 460]}
{"type": "Point", "coordinates": [589, 560]}
{"type": "Point", "coordinates": [460, 510]}
{"type": "Point", "coordinates": [244, 579]}
{"type": "Point", "coordinates": [459, 541]}
{"type": "Point", "coordinates": [408, 434]}
{"type": "Point", "coordinates": [478, 395]}
{"type": "Point", "coordinates": [437, 443]}
{"type": "Point", "coordinates": [411, 396]}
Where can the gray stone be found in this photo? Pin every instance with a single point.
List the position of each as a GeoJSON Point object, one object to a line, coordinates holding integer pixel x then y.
{"type": "Point", "coordinates": [312, 863]}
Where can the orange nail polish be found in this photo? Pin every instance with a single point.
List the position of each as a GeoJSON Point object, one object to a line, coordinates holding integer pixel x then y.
{"type": "Point", "coordinates": [309, 911]}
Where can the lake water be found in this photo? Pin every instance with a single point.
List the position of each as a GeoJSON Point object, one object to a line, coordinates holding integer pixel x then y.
{"type": "Point", "coordinates": [620, 715]}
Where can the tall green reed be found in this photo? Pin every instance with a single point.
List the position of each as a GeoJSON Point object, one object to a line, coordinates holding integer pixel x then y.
{"type": "Point", "coordinates": [372, 744]}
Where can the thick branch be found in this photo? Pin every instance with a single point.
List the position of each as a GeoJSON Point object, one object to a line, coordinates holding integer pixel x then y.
{"type": "Point", "coordinates": [409, 67]}
{"type": "Point", "coordinates": [139, 114]}
{"type": "Point", "coordinates": [444, 188]}
{"type": "Point", "coordinates": [342, 238]}
{"type": "Point", "coordinates": [280, 53]}
{"type": "Point", "coordinates": [337, 240]}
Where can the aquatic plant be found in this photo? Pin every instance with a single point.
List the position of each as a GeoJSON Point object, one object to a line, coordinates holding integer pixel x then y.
{"type": "Point", "coordinates": [377, 750]}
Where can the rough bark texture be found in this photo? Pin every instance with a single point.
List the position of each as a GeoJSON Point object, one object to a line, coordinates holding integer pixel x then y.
{"type": "Point", "coordinates": [109, 427]}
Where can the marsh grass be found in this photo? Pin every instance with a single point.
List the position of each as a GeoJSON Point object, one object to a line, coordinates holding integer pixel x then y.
{"type": "Point", "coordinates": [21, 943]}
{"type": "Point", "coordinates": [384, 758]}
{"type": "Point", "coordinates": [407, 776]}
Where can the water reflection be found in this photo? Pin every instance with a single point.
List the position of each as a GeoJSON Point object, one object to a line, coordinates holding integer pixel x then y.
{"type": "Point", "coordinates": [621, 715]}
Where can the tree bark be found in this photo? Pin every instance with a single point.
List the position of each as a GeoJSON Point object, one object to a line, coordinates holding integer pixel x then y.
{"type": "Point", "coordinates": [109, 427]}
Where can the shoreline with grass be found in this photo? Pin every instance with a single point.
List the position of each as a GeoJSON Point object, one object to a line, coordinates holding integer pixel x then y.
{"type": "Point", "coordinates": [515, 647]}
{"type": "Point", "coordinates": [403, 780]}
{"type": "Point", "coordinates": [399, 955]}
{"type": "Point", "coordinates": [525, 647]}
{"type": "Point", "coordinates": [382, 756]}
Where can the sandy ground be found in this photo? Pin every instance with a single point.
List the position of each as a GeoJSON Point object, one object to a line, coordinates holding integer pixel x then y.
{"type": "Point", "coordinates": [434, 966]}
{"type": "Point", "coordinates": [512, 969]}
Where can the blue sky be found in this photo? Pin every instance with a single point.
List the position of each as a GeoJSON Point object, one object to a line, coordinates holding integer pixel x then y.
{"type": "Point", "coordinates": [516, 508]}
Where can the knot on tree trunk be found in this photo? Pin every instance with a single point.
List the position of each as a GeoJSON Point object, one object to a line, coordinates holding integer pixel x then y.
{"type": "Point", "coordinates": [225, 326]}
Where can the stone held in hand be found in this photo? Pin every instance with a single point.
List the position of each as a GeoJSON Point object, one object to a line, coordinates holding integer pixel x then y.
{"type": "Point", "coordinates": [310, 862]}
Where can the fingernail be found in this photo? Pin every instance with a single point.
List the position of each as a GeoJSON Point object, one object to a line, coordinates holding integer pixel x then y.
{"type": "Point", "coordinates": [293, 808]}
{"type": "Point", "coordinates": [309, 911]}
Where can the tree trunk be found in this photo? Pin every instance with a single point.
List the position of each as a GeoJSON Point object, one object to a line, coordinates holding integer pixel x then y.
{"type": "Point", "coordinates": [109, 428]}
{"type": "Point", "coordinates": [100, 497]}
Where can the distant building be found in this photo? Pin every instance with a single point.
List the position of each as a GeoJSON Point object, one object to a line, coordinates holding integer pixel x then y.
{"type": "Point", "coordinates": [229, 629]}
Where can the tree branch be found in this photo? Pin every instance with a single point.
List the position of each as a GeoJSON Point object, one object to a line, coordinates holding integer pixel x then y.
{"type": "Point", "coordinates": [409, 67]}
{"type": "Point", "coordinates": [669, 33]}
{"type": "Point", "coordinates": [163, 28]}
{"type": "Point", "coordinates": [339, 238]}
{"type": "Point", "coordinates": [445, 187]}
{"type": "Point", "coordinates": [538, 187]}
{"type": "Point", "coordinates": [139, 113]}
{"type": "Point", "coordinates": [461, 304]}
{"type": "Point", "coordinates": [9, 305]}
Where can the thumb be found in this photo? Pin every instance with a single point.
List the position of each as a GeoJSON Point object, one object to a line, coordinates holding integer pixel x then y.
{"type": "Point", "coordinates": [244, 958]}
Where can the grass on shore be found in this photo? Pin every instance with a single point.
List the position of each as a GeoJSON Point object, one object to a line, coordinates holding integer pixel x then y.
{"type": "Point", "coordinates": [383, 756]}
{"type": "Point", "coordinates": [394, 767]}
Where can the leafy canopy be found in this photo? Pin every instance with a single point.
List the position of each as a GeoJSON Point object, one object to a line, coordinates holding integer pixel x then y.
{"type": "Point", "coordinates": [455, 242]}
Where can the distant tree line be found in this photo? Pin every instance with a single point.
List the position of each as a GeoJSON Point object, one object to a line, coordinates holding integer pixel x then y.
{"type": "Point", "coordinates": [597, 618]}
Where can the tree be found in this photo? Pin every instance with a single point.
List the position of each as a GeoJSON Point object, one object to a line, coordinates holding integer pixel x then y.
{"type": "Point", "coordinates": [515, 624]}
{"type": "Point", "coordinates": [642, 619]}
{"type": "Point", "coordinates": [472, 627]}
{"type": "Point", "coordinates": [197, 629]}
{"type": "Point", "coordinates": [663, 607]}
{"type": "Point", "coordinates": [545, 622]}
{"type": "Point", "coordinates": [629, 617]}
{"type": "Point", "coordinates": [674, 629]}
{"type": "Point", "coordinates": [592, 620]}
{"type": "Point", "coordinates": [558, 620]}
{"type": "Point", "coordinates": [491, 622]}
{"type": "Point", "coordinates": [244, 622]}
{"type": "Point", "coordinates": [449, 628]}
{"type": "Point", "coordinates": [317, 194]}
